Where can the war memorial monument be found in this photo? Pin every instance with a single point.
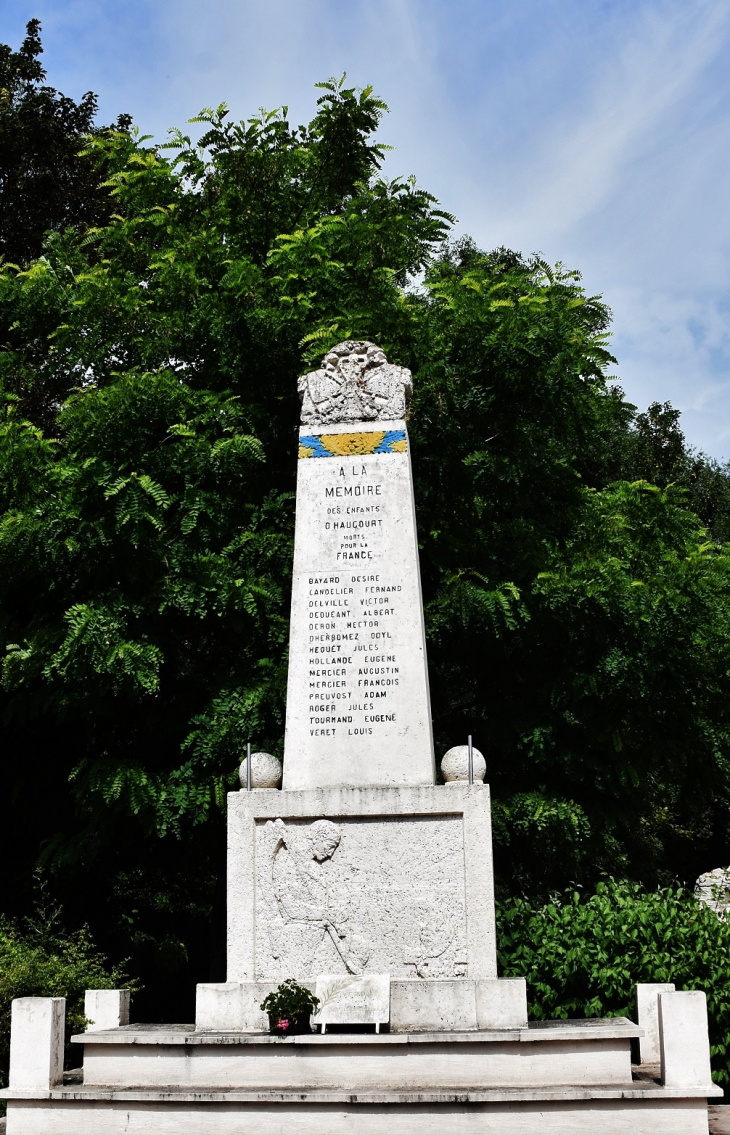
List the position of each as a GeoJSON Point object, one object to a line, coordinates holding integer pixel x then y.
{"type": "Point", "coordinates": [364, 879]}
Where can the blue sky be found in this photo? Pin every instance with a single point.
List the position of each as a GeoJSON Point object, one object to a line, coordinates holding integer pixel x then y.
{"type": "Point", "coordinates": [594, 132]}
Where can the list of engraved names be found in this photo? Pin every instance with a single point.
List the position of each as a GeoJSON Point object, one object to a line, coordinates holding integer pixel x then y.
{"type": "Point", "coordinates": [354, 608]}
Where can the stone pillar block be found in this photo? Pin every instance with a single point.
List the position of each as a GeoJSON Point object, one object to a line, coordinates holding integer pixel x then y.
{"type": "Point", "coordinates": [36, 1042]}
{"type": "Point", "coordinates": [432, 1006]}
{"type": "Point", "coordinates": [219, 1006]}
{"type": "Point", "coordinates": [234, 1006]}
{"type": "Point", "coordinates": [106, 1009]}
{"type": "Point", "coordinates": [684, 1039]}
{"type": "Point", "coordinates": [647, 1004]}
{"type": "Point", "coordinates": [501, 1003]}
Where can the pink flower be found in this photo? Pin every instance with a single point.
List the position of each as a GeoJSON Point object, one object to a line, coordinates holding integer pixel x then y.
{"type": "Point", "coordinates": [283, 1023]}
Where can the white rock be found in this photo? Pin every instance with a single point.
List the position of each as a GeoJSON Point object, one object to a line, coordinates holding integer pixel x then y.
{"type": "Point", "coordinates": [265, 771]}
{"type": "Point", "coordinates": [455, 765]}
{"type": "Point", "coordinates": [713, 890]}
{"type": "Point", "coordinates": [355, 383]}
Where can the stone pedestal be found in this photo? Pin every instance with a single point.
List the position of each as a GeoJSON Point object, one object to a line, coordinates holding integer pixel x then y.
{"type": "Point", "coordinates": [376, 880]}
{"type": "Point", "coordinates": [563, 1077]}
{"type": "Point", "coordinates": [36, 1042]}
{"type": "Point", "coordinates": [364, 880]}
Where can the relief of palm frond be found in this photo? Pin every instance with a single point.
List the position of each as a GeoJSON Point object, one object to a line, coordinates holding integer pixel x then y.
{"type": "Point", "coordinates": [333, 990]}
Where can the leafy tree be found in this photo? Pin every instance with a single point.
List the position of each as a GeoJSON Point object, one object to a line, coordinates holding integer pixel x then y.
{"type": "Point", "coordinates": [45, 182]}
{"type": "Point", "coordinates": [577, 627]}
{"type": "Point", "coordinates": [581, 634]}
{"type": "Point", "coordinates": [148, 456]}
{"type": "Point", "coordinates": [654, 449]}
{"type": "Point", "coordinates": [655, 446]}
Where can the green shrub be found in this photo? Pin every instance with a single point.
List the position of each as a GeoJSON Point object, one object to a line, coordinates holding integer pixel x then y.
{"type": "Point", "coordinates": [38, 958]}
{"type": "Point", "coordinates": [583, 954]}
{"type": "Point", "coordinates": [290, 1000]}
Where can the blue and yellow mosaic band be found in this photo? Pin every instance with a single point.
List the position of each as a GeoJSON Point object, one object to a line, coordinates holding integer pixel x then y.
{"type": "Point", "coordinates": [349, 445]}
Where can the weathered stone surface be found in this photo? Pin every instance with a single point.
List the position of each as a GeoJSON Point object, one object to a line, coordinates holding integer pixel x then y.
{"type": "Point", "coordinates": [36, 1042]}
{"type": "Point", "coordinates": [355, 383]}
{"type": "Point", "coordinates": [600, 1111]}
{"type": "Point", "coordinates": [365, 880]}
{"type": "Point", "coordinates": [719, 1117]}
{"type": "Point", "coordinates": [361, 895]}
{"type": "Point", "coordinates": [358, 708]}
{"type": "Point", "coordinates": [684, 1039]}
{"type": "Point", "coordinates": [265, 771]}
{"type": "Point", "coordinates": [647, 1006]}
{"type": "Point", "coordinates": [352, 1000]}
{"type": "Point", "coordinates": [455, 765]}
{"type": "Point", "coordinates": [233, 1005]}
{"type": "Point", "coordinates": [561, 1076]}
{"type": "Point", "coordinates": [501, 1003]}
{"type": "Point", "coordinates": [580, 1055]}
{"type": "Point", "coordinates": [436, 1005]}
{"type": "Point", "coordinates": [106, 1008]}
{"type": "Point", "coordinates": [713, 890]}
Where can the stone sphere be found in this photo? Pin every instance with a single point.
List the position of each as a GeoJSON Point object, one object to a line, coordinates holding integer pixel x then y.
{"type": "Point", "coordinates": [265, 771]}
{"type": "Point", "coordinates": [455, 765]}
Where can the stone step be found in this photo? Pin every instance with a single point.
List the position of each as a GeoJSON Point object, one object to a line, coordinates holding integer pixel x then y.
{"type": "Point", "coordinates": [571, 1053]}
{"type": "Point", "coordinates": [630, 1091]}
{"type": "Point", "coordinates": [602, 1110]}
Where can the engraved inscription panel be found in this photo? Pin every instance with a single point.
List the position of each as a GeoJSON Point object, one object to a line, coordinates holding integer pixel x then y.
{"type": "Point", "coordinates": [359, 895]}
{"type": "Point", "coordinates": [357, 705]}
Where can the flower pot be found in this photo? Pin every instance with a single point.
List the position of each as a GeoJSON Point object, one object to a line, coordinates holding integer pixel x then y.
{"type": "Point", "coordinates": [282, 1025]}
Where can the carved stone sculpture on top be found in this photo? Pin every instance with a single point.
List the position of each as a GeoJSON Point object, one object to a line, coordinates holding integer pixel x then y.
{"type": "Point", "coordinates": [355, 383]}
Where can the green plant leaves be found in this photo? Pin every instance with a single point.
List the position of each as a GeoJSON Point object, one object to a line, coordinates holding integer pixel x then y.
{"type": "Point", "coordinates": [582, 954]}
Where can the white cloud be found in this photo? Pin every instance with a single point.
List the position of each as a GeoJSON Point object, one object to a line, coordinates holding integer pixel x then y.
{"type": "Point", "coordinates": [583, 156]}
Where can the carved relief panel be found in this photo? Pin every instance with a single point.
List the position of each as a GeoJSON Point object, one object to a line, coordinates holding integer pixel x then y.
{"type": "Point", "coordinates": [360, 895]}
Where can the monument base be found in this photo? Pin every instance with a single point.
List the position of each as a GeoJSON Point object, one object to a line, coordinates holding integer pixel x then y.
{"type": "Point", "coordinates": [561, 1077]}
{"type": "Point", "coordinates": [377, 880]}
{"type": "Point", "coordinates": [456, 1005]}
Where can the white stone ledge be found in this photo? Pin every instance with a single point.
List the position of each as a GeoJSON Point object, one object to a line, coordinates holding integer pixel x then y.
{"type": "Point", "coordinates": [598, 1028]}
{"type": "Point", "coordinates": [491, 1095]}
{"type": "Point", "coordinates": [360, 800]}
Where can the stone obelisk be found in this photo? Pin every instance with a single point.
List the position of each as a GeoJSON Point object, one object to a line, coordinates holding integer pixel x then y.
{"type": "Point", "coordinates": [358, 708]}
{"type": "Point", "coordinates": [362, 865]}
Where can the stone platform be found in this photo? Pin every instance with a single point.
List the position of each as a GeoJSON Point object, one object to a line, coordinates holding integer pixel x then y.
{"type": "Point", "coordinates": [567, 1077]}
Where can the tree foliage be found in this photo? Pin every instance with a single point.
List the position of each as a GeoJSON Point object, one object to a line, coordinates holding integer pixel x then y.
{"type": "Point", "coordinates": [577, 609]}
{"type": "Point", "coordinates": [45, 182]}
